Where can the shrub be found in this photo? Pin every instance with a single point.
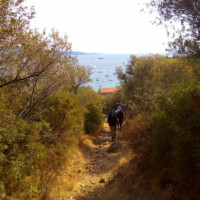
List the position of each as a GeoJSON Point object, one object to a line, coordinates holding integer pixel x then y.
{"type": "Point", "coordinates": [92, 103]}
{"type": "Point", "coordinates": [32, 152]}
{"type": "Point", "coordinates": [175, 142]}
{"type": "Point", "coordinates": [93, 118]}
{"type": "Point", "coordinates": [136, 131]}
{"type": "Point", "coordinates": [22, 151]}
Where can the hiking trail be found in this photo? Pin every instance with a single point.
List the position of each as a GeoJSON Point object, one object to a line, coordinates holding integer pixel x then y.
{"type": "Point", "coordinates": [94, 173]}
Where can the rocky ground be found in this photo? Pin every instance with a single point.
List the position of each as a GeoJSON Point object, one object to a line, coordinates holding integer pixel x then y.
{"type": "Point", "coordinates": [95, 171]}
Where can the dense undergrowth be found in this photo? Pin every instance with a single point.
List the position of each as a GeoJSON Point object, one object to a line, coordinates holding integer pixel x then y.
{"type": "Point", "coordinates": [44, 108]}
{"type": "Point", "coordinates": [163, 127]}
{"type": "Point", "coordinates": [34, 151]}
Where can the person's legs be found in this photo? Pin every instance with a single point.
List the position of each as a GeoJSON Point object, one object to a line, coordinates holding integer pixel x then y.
{"type": "Point", "coordinates": [112, 132]}
{"type": "Point", "coordinates": [120, 125]}
{"type": "Point", "coordinates": [115, 130]}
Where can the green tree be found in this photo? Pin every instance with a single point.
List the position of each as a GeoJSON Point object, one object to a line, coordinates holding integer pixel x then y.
{"type": "Point", "coordinates": [163, 94]}
{"type": "Point", "coordinates": [93, 104]}
{"type": "Point", "coordinates": [40, 62]}
{"type": "Point", "coordinates": [41, 110]}
{"type": "Point", "coordinates": [147, 78]}
{"type": "Point", "coordinates": [181, 17]}
{"type": "Point", "coordinates": [174, 139]}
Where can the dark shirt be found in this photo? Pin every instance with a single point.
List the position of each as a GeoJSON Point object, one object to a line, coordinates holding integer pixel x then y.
{"type": "Point", "coordinates": [112, 119]}
{"type": "Point", "coordinates": [120, 116]}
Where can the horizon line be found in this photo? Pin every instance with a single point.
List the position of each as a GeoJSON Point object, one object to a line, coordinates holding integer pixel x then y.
{"type": "Point", "coordinates": [144, 53]}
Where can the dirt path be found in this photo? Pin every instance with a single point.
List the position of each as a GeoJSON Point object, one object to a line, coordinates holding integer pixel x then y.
{"type": "Point", "coordinates": [94, 173]}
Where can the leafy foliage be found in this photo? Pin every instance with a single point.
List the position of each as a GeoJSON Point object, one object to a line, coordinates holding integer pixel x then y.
{"type": "Point", "coordinates": [183, 17]}
{"type": "Point", "coordinates": [163, 96]}
{"type": "Point", "coordinates": [94, 109]}
{"type": "Point", "coordinates": [22, 151]}
{"type": "Point", "coordinates": [175, 141]}
{"type": "Point", "coordinates": [42, 112]}
{"type": "Point", "coordinates": [146, 78]}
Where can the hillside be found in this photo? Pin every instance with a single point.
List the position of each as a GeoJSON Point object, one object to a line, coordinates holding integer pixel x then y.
{"type": "Point", "coordinates": [98, 171]}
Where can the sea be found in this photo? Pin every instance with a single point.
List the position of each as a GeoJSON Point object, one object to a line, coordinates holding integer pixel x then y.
{"type": "Point", "coordinates": [104, 68]}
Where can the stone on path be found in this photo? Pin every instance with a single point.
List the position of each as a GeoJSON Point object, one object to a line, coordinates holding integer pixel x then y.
{"type": "Point", "coordinates": [115, 147]}
{"type": "Point", "coordinates": [102, 180]}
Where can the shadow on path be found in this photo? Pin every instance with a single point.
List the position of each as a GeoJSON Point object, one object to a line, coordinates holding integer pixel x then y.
{"type": "Point", "coordinates": [102, 179]}
{"type": "Point", "coordinates": [96, 174]}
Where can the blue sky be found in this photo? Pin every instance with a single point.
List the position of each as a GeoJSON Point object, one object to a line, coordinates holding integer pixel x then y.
{"type": "Point", "coordinates": [104, 26]}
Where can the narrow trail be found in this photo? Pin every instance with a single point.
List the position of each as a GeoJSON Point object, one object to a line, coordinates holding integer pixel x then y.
{"type": "Point", "coordinates": [95, 174]}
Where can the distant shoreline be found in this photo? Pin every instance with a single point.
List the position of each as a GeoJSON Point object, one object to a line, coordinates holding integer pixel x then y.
{"type": "Point", "coordinates": [78, 53]}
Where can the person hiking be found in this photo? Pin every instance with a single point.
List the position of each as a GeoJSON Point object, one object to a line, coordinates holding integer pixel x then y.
{"type": "Point", "coordinates": [120, 117]}
{"type": "Point", "coordinates": [118, 107]}
{"type": "Point", "coordinates": [112, 121]}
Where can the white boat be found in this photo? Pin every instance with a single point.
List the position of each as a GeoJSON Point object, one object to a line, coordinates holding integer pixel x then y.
{"type": "Point", "coordinates": [100, 71]}
{"type": "Point", "coordinates": [111, 79]}
{"type": "Point", "coordinates": [104, 80]}
{"type": "Point", "coordinates": [91, 66]}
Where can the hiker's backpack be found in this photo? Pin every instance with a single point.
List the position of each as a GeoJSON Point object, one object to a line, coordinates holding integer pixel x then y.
{"type": "Point", "coordinates": [112, 119]}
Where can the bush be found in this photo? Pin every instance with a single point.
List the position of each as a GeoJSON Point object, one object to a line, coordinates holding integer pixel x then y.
{"type": "Point", "coordinates": [93, 119]}
{"type": "Point", "coordinates": [168, 91]}
{"type": "Point", "coordinates": [148, 78]}
{"type": "Point", "coordinates": [136, 130]}
{"type": "Point", "coordinates": [92, 103]}
{"type": "Point", "coordinates": [22, 152]}
{"type": "Point", "coordinates": [175, 142]}
{"type": "Point", "coordinates": [32, 152]}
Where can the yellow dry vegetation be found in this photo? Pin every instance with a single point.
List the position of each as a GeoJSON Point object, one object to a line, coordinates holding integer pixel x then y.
{"type": "Point", "coordinates": [92, 172]}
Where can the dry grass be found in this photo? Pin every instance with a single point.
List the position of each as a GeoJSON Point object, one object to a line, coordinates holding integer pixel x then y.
{"type": "Point", "coordinates": [69, 177]}
{"type": "Point", "coordinates": [136, 131]}
{"type": "Point", "coordinates": [134, 169]}
{"type": "Point", "coordinates": [129, 181]}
